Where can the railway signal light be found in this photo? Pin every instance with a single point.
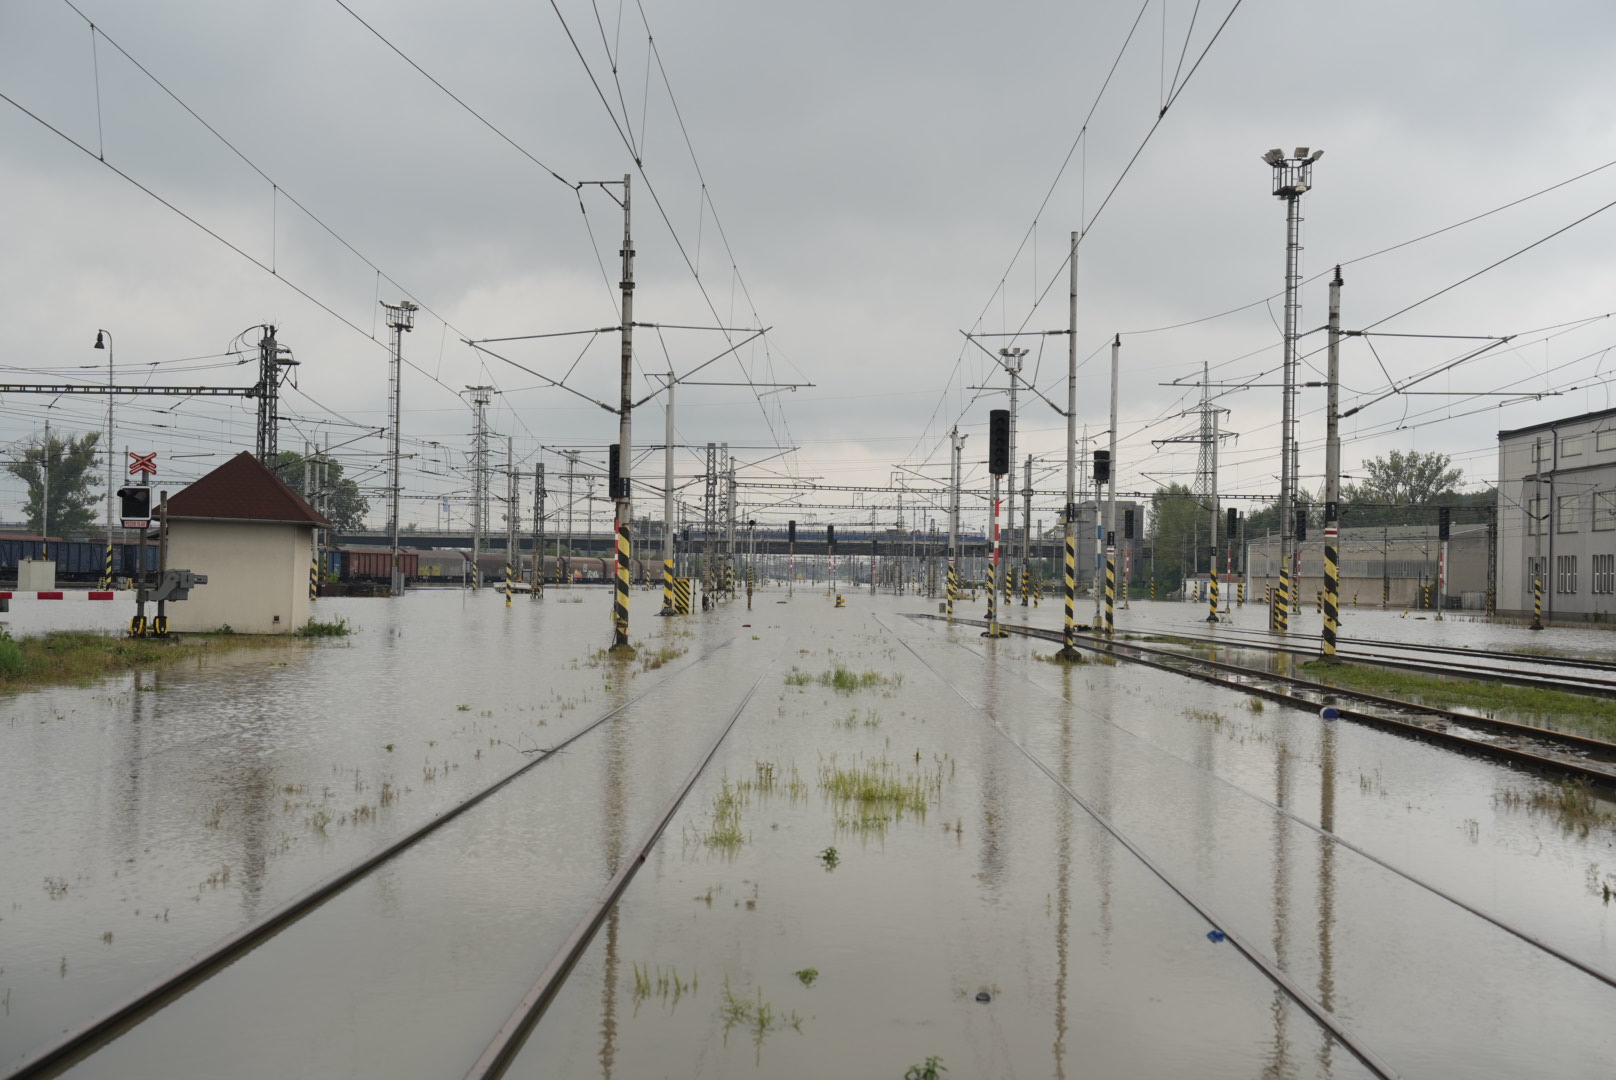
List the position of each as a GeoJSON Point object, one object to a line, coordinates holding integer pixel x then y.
{"type": "Point", "coordinates": [791, 532]}
{"type": "Point", "coordinates": [1444, 522]}
{"type": "Point", "coordinates": [1301, 525]}
{"type": "Point", "coordinates": [1127, 524]}
{"type": "Point", "coordinates": [135, 507]}
{"type": "Point", "coordinates": [617, 483]}
{"type": "Point", "coordinates": [1234, 521]}
{"type": "Point", "coordinates": [999, 442]}
{"type": "Point", "coordinates": [1102, 466]}
{"type": "Point", "coordinates": [830, 537]}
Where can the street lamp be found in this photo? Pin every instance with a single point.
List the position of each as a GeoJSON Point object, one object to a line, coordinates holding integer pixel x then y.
{"type": "Point", "coordinates": [1293, 177]}
{"type": "Point", "coordinates": [103, 340]}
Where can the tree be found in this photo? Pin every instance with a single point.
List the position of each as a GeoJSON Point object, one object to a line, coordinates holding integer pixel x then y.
{"type": "Point", "coordinates": [1400, 489]}
{"type": "Point", "coordinates": [343, 504]}
{"type": "Point", "coordinates": [1178, 521]}
{"type": "Point", "coordinates": [73, 494]}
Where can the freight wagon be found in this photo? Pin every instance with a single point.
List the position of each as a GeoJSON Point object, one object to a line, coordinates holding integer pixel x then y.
{"type": "Point", "coordinates": [76, 560]}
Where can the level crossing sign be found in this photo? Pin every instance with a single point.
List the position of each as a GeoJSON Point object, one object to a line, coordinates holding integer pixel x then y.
{"type": "Point", "coordinates": [143, 463]}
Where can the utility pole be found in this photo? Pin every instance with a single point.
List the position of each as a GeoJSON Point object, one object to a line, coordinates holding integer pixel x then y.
{"type": "Point", "coordinates": [623, 495]}
{"type": "Point", "coordinates": [1111, 500]}
{"type": "Point", "coordinates": [401, 319]}
{"type": "Point", "coordinates": [709, 527]}
{"type": "Point", "coordinates": [44, 494]}
{"type": "Point", "coordinates": [1069, 511]}
{"type": "Point", "coordinates": [667, 505]}
{"type": "Point", "coordinates": [479, 478]}
{"type": "Point", "coordinates": [511, 514]}
{"type": "Point", "coordinates": [272, 357]}
{"type": "Point", "coordinates": [1012, 360]}
{"type": "Point", "coordinates": [1293, 176]}
{"type": "Point", "coordinates": [536, 585]}
{"type": "Point", "coordinates": [103, 340]}
{"type": "Point", "coordinates": [1026, 536]}
{"type": "Point", "coordinates": [729, 524]}
{"type": "Point", "coordinates": [1537, 517]}
{"type": "Point", "coordinates": [956, 443]}
{"type": "Point", "coordinates": [1332, 472]}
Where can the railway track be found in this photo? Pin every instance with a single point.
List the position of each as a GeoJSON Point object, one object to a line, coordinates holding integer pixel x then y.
{"type": "Point", "coordinates": [90, 1037]}
{"type": "Point", "coordinates": [1540, 750]}
{"type": "Point", "coordinates": [1582, 684]}
{"type": "Point", "coordinates": [1356, 644]}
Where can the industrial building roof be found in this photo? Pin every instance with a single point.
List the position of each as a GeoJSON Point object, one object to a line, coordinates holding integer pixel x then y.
{"type": "Point", "coordinates": [243, 490]}
{"type": "Point", "coordinates": [1563, 421]}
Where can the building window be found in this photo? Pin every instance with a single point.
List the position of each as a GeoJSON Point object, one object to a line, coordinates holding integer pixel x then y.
{"type": "Point", "coordinates": [1571, 447]}
{"type": "Point", "coordinates": [1535, 571]}
{"type": "Point", "coordinates": [1568, 513]}
{"type": "Point", "coordinates": [1605, 440]}
{"type": "Point", "coordinates": [1565, 574]}
{"type": "Point", "coordinates": [1604, 510]}
{"type": "Point", "coordinates": [1534, 517]}
{"type": "Point", "coordinates": [1605, 574]}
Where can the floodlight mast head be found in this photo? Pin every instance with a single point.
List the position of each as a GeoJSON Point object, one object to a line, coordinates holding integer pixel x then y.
{"type": "Point", "coordinates": [401, 316]}
{"type": "Point", "coordinates": [1012, 359]}
{"type": "Point", "coordinates": [1293, 176]}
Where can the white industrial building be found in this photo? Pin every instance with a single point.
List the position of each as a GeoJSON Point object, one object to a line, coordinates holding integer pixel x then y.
{"type": "Point", "coordinates": [1557, 518]}
{"type": "Point", "coordinates": [254, 539]}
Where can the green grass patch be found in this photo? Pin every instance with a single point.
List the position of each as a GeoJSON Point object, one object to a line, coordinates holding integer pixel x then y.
{"type": "Point", "coordinates": [871, 794]}
{"type": "Point", "coordinates": [1558, 709]}
{"type": "Point", "coordinates": [844, 680]}
{"type": "Point", "coordinates": [71, 656]}
{"type": "Point", "coordinates": [314, 628]}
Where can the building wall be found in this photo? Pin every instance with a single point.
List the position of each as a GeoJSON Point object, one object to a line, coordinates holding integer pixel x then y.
{"type": "Point", "coordinates": [1394, 562]}
{"type": "Point", "coordinates": [258, 575]}
{"type": "Point", "coordinates": [1571, 533]}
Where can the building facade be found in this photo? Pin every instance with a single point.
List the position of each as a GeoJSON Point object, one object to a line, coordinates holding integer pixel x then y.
{"type": "Point", "coordinates": [1557, 518]}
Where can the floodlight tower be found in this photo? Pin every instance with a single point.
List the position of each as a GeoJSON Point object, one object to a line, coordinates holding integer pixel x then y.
{"type": "Point", "coordinates": [1293, 176]}
{"type": "Point", "coordinates": [401, 318]}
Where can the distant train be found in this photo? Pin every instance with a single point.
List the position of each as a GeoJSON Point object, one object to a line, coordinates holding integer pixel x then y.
{"type": "Point", "coordinates": [444, 565]}
{"type": "Point", "coordinates": [76, 560]}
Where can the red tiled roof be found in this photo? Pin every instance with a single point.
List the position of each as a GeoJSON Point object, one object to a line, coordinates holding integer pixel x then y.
{"type": "Point", "coordinates": [241, 489]}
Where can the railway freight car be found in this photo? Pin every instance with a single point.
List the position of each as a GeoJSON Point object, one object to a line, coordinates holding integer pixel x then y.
{"type": "Point", "coordinates": [76, 560]}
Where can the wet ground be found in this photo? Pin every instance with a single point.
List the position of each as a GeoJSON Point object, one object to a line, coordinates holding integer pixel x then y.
{"type": "Point", "coordinates": [865, 857]}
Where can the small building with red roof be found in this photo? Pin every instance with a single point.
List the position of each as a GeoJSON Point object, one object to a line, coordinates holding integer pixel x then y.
{"type": "Point", "coordinates": [254, 538]}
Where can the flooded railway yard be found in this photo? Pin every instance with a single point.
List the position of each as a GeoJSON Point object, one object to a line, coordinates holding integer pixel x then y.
{"type": "Point", "coordinates": [912, 844]}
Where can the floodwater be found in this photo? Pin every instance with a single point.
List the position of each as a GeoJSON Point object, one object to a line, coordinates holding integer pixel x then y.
{"type": "Point", "coordinates": [149, 816]}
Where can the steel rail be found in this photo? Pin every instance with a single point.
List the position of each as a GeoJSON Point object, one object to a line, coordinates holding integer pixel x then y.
{"type": "Point", "coordinates": [1541, 680]}
{"type": "Point", "coordinates": [1327, 1020]}
{"type": "Point", "coordinates": [1335, 837]}
{"type": "Point", "coordinates": [1513, 755]}
{"type": "Point", "coordinates": [87, 1038]}
{"type": "Point", "coordinates": [507, 1042]}
{"type": "Point", "coordinates": [1448, 650]}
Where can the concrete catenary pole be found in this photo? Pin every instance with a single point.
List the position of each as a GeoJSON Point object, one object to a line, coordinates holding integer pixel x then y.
{"type": "Point", "coordinates": [667, 504]}
{"type": "Point", "coordinates": [625, 440]}
{"type": "Point", "coordinates": [511, 511]}
{"type": "Point", "coordinates": [1012, 360]}
{"type": "Point", "coordinates": [1026, 536]}
{"type": "Point", "coordinates": [1111, 499]}
{"type": "Point", "coordinates": [536, 583]}
{"type": "Point", "coordinates": [1536, 517]}
{"type": "Point", "coordinates": [106, 574]}
{"type": "Point", "coordinates": [1332, 472]}
{"type": "Point", "coordinates": [1069, 511]}
{"type": "Point", "coordinates": [956, 444]}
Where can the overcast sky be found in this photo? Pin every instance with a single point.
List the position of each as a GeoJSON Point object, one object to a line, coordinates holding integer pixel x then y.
{"type": "Point", "coordinates": [875, 170]}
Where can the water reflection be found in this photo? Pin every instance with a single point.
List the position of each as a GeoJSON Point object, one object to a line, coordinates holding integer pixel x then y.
{"type": "Point", "coordinates": [1063, 873]}
{"type": "Point", "coordinates": [991, 864]}
{"type": "Point", "coordinates": [1278, 1063]}
{"type": "Point", "coordinates": [1327, 848]}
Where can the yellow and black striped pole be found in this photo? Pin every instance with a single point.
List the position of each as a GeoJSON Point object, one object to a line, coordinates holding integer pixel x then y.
{"type": "Point", "coordinates": [667, 587]}
{"type": "Point", "coordinates": [1110, 592]}
{"type": "Point", "coordinates": [953, 589]}
{"type": "Point", "coordinates": [1152, 590]}
{"type": "Point", "coordinates": [1332, 586]}
{"type": "Point", "coordinates": [106, 573]}
{"type": "Point", "coordinates": [1240, 593]}
{"type": "Point", "coordinates": [620, 598]}
{"type": "Point", "coordinates": [1282, 608]}
{"type": "Point", "coordinates": [508, 582]}
{"type": "Point", "coordinates": [1212, 589]}
{"type": "Point", "coordinates": [314, 577]}
{"type": "Point", "coordinates": [1537, 602]}
{"type": "Point", "coordinates": [1069, 591]}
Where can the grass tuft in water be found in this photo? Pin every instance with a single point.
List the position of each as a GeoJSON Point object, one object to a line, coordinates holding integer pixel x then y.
{"type": "Point", "coordinates": [314, 628]}
{"type": "Point", "coordinates": [1570, 803]}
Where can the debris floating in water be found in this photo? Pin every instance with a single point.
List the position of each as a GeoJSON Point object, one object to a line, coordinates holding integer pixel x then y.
{"type": "Point", "coordinates": [1214, 935]}
{"type": "Point", "coordinates": [983, 996]}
